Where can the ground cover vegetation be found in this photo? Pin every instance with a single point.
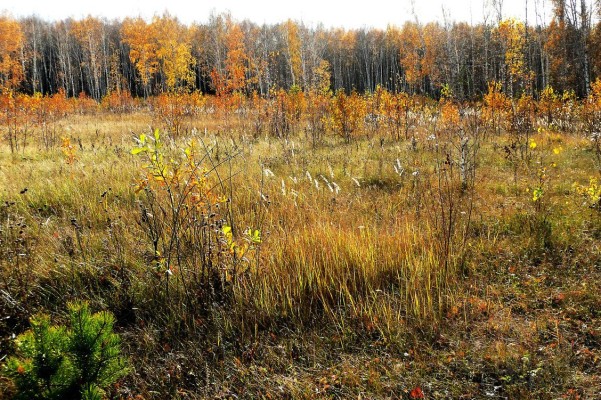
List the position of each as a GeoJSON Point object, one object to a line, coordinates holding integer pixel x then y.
{"type": "Point", "coordinates": [187, 212]}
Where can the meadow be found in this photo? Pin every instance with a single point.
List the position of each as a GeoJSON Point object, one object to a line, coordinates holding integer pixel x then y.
{"type": "Point", "coordinates": [307, 245]}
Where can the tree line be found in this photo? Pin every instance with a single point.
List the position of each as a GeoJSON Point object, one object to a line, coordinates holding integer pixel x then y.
{"type": "Point", "coordinates": [98, 57]}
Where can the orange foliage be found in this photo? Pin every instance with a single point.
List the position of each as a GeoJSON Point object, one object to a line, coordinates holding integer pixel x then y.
{"type": "Point", "coordinates": [22, 114]}
{"type": "Point", "coordinates": [523, 114]}
{"type": "Point", "coordinates": [548, 103]}
{"type": "Point", "coordinates": [89, 33]}
{"type": "Point", "coordinates": [496, 106]}
{"type": "Point", "coordinates": [434, 38]}
{"type": "Point", "coordinates": [172, 110]}
{"type": "Point", "coordinates": [118, 101]}
{"type": "Point", "coordinates": [11, 39]}
{"type": "Point", "coordinates": [230, 84]}
{"type": "Point", "coordinates": [235, 62]}
{"type": "Point", "coordinates": [412, 53]}
{"type": "Point", "coordinates": [395, 108]}
{"type": "Point", "coordinates": [449, 114]}
{"type": "Point", "coordinates": [555, 46]}
{"type": "Point", "coordinates": [259, 111]}
{"type": "Point", "coordinates": [347, 113]}
{"type": "Point", "coordinates": [591, 110]}
{"type": "Point", "coordinates": [142, 51]}
{"type": "Point", "coordinates": [84, 104]}
{"type": "Point", "coordinates": [18, 113]}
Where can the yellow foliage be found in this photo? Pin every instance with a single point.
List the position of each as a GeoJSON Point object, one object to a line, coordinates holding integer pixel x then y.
{"type": "Point", "coordinates": [161, 46]}
{"type": "Point", "coordinates": [294, 51]}
{"type": "Point", "coordinates": [512, 34]}
{"type": "Point", "coordinates": [496, 106]}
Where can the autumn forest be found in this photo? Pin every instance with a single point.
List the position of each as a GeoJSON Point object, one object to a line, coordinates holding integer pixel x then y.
{"type": "Point", "coordinates": [97, 57]}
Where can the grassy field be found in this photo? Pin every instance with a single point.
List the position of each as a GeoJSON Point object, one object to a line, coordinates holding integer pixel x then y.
{"type": "Point", "coordinates": [459, 263]}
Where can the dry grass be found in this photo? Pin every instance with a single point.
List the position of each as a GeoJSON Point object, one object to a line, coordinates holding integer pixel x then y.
{"type": "Point", "coordinates": [367, 283]}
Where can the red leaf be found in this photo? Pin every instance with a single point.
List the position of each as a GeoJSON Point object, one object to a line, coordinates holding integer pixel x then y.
{"type": "Point", "coordinates": [416, 393]}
